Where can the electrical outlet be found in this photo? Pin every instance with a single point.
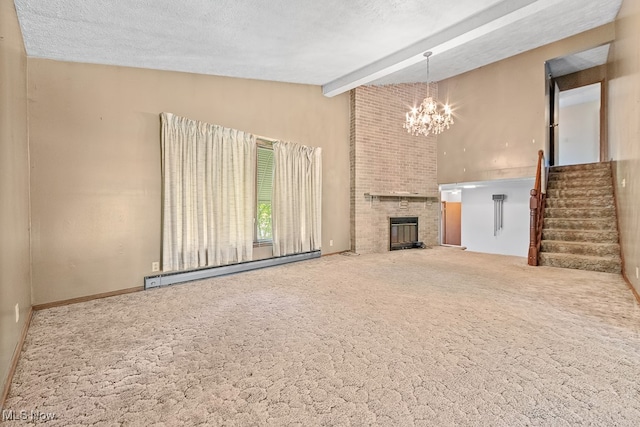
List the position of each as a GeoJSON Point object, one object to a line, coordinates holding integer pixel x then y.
{"type": "Point", "coordinates": [155, 266]}
{"type": "Point", "coordinates": [17, 312]}
{"type": "Point", "coordinates": [637, 272]}
{"type": "Point", "coordinates": [624, 182]}
{"type": "Point", "coordinates": [330, 242]}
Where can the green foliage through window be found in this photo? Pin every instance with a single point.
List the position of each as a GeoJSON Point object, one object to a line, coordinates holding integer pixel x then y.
{"type": "Point", "coordinates": [264, 221]}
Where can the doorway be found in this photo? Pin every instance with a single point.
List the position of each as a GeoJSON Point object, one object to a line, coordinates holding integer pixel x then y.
{"type": "Point", "coordinates": [451, 218]}
{"type": "Point", "coordinates": [579, 131]}
{"type": "Point", "coordinates": [576, 110]}
{"type": "Point", "coordinates": [451, 223]}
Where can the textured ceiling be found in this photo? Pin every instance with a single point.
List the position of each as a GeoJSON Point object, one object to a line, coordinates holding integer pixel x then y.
{"type": "Point", "coordinates": [297, 41]}
{"type": "Point", "coordinates": [579, 61]}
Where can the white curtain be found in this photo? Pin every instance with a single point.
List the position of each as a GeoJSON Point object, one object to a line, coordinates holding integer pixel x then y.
{"type": "Point", "coordinates": [208, 194]}
{"type": "Point", "coordinates": [296, 212]}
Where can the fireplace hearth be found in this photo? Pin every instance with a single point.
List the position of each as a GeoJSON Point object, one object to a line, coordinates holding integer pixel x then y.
{"type": "Point", "coordinates": [403, 233]}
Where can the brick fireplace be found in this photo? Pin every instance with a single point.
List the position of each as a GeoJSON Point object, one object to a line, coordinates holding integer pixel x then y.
{"type": "Point", "coordinates": [393, 174]}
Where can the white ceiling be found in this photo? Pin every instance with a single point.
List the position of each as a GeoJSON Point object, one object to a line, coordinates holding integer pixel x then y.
{"type": "Point", "coordinates": [579, 61]}
{"type": "Point", "coordinates": [335, 43]}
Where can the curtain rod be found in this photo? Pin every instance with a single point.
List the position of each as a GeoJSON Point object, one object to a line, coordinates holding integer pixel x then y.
{"type": "Point", "coordinates": [266, 140]}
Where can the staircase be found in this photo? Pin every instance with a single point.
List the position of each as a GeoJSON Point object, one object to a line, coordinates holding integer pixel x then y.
{"type": "Point", "coordinates": [580, 225]}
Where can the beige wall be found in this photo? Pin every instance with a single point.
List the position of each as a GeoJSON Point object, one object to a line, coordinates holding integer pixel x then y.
{"type": "Point", "coordinates": [500, 113]}
{"type": "Point", "coordinates": [95, 158]}
{"type": "Point", "coordinates": [624, 131]}
{"type": "Point", "coordinates": [15, 286]}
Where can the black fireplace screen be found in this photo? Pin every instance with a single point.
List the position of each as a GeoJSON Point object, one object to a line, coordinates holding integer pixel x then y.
{"type": "Point", "coordinates": [403, 233]}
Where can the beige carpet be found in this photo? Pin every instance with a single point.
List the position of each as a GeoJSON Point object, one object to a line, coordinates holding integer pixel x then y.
{"type": "Point", "coordinates": [431, 337]}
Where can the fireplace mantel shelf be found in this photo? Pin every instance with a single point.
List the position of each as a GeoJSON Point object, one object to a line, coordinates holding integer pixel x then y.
{"type": "Point", "coordinates": [402, 195]}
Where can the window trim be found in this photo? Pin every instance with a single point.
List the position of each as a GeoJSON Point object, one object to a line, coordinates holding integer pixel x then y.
{"type": "Point", "coordinates": [263, 143]}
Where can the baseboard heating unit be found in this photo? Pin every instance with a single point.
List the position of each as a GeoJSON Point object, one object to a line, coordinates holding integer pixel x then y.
{"type": "Point", "coordinates": [205, 273]}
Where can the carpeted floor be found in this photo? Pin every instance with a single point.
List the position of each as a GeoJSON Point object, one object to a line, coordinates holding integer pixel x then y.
{"type": "Point", "coordinates": [431, 337]}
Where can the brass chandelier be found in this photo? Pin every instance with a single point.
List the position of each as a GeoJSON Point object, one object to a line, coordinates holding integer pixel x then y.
{"type": "Point", "coordinates": [429, 117]}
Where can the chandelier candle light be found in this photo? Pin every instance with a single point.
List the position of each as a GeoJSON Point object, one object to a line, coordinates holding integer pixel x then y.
{"type": "Point", "coordinates": [428, 118]}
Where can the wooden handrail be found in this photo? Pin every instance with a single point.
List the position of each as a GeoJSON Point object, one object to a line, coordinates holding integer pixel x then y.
{"type": "Point", "coordinates": [536, 206]}
{"type": "Point", "coordinates": [536, 186]}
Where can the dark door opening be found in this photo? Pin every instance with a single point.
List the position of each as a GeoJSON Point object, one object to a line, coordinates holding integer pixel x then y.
{"type": "Point", "coordinates": [553, 99]}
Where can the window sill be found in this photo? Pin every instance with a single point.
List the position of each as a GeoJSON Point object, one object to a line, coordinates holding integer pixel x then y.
{"type": "Point", "coordinates": [263, 244]}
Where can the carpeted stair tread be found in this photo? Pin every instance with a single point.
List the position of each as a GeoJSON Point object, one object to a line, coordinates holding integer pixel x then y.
{"type": "Point", "coordinates": [580, 262]}
{"type": "Point", "coordinates": [581, 202]}
{"type": "Point", "coordinates": [579, 192]}
{"type": "Point", "coordinates": [578, 174]}
{"type": "Point", "coordinates": [582, 167]}
{"type": "Point", "coordinates": [611, 250]}
{"type": "Point", "coordinates": [595, 236]}
{"type": "Point", "coordinates": [580, 224]}
{"type": "Point", "coordinates": [581, 213]}
{"type": "Point", "coordinates": [579, 183]}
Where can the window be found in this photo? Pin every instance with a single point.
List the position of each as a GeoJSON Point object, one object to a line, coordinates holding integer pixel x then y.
{"type": "Point", "coordinates": [264, 183]}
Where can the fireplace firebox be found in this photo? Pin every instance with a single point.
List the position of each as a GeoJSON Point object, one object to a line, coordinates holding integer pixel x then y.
{"type": "Point", "coordinates": [403, 233]}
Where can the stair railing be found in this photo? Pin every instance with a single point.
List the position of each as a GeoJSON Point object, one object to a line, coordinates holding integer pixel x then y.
{"type": "Point", "coordinates": [536, 206]}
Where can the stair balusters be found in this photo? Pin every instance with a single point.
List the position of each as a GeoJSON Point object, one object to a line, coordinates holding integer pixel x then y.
{"type": "Point", "coordinates": [536, 206]}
